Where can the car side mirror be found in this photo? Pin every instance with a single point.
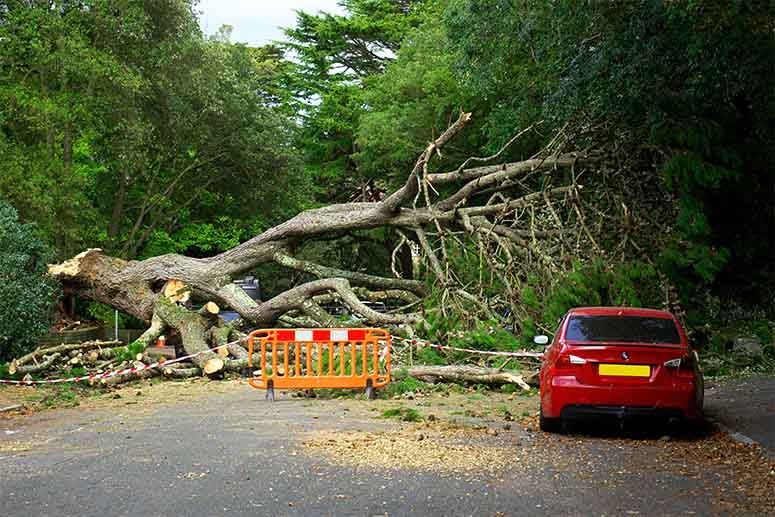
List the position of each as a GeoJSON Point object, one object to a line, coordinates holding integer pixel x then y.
{"type": "Point", "coordinates": [541, 340]}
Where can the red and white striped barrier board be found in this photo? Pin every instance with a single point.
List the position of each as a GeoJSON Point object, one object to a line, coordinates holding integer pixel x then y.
{"type": "Point", "coordinates": [314, 335]}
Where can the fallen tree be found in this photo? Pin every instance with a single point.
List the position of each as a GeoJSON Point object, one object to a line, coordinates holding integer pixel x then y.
{"type": "Point", "coordinates": [490, 203]}
{"type": "Point", "coordinates": [460, 374]}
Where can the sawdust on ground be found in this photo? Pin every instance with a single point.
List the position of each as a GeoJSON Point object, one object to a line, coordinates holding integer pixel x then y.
{"type": "Point", "coordinates": [15, 446]}
{"type": "Point", "coordinates": [438, 448]}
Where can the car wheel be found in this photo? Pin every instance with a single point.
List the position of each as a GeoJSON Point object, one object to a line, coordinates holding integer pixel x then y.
{"type": "Point", "coordinates": [549, 425]}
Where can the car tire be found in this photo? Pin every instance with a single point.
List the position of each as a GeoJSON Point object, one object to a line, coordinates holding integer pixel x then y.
{"type": "Point", "coordinates": [549, 425]}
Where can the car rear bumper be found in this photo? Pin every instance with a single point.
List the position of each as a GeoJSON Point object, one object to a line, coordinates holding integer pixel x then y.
{"type": "Point", "coordinates": [606, 401]}
{"type": "Point", "coordinates": [630, 413]}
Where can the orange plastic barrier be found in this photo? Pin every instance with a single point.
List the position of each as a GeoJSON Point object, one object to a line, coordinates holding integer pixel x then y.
{"type": "Point", "coordinates": [319, 358]}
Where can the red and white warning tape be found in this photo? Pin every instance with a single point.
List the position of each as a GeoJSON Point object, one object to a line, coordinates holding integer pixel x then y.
{"type": "Point", "coordinates": [125, 371]}
{"type": "Point", "coordinates": [422, 343]}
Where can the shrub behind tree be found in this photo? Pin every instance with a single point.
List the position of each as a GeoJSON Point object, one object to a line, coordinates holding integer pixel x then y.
{"type": "Point", "coordinates": [27, 294]}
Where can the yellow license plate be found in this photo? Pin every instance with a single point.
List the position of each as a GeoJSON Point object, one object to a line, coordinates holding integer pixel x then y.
{"type": "Point", "coordinates": [625, 370]}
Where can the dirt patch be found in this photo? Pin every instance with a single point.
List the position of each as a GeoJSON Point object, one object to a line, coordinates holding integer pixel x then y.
{"type": "Point", "coordinates": [148, 393]}
{"type": "Point", "coordinates": [440, 448]}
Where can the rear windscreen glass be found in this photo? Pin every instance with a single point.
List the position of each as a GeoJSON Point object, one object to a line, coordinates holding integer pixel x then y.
{"type": "Point", "coordinates": [622, 329]}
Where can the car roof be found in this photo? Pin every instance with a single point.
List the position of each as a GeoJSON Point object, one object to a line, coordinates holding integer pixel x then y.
{"type": "Point", "coordinates": [619, 311]}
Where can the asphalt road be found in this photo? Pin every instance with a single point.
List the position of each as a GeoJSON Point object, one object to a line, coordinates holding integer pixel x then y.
{"type": "Point", "coordinates": [231, 453]}
{"type": "Point", "coordinates": [746, 406]}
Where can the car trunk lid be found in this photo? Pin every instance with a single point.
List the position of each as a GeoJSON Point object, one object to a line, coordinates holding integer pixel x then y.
{"type": "Point", "coordinates": [627, 364]}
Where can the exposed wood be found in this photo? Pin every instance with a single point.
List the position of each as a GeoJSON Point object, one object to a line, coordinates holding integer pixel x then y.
{"type": "Point", "coordinates": [153, 333]}
{"type": "Point", "coordinates": [467, 374]}
{"type": "Point", "coordinates": [120, 379]}
{"type": "Point", "coordinates": [48, 360]}
{"type": "Point", "coordinates": [176, 291]}
{"type": "Point", "coordinates": [210, 309]}
{"type": "Point", "coordinates": [193, 329]}
{"type": "Point", "coordinates": [181, 373]}
{"type": "Point", "coordinates": [61, 349]}
{"type": "Point", "coordinates": [155, 352]}
{"type": "Point", "coordinates": [11, 408]}
{"type": "Point", "coordinates": [212, 366]}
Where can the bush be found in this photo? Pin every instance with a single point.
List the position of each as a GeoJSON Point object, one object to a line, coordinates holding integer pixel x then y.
{"type": "Point", "coordinates": [26, 293]}
{"type": "Point", "coordinates": [629, 284]}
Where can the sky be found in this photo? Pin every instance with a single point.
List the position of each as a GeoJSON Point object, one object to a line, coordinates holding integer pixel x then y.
{"type": "Point", "coordinates": [257, 22]}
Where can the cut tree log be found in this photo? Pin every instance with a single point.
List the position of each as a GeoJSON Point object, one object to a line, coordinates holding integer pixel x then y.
{"type": "Point", "coordinates": [15, 368]}
{"type": "Point", "coordinates": [120, 379]}
{"type": "Point", "coordinates": [176, 291]}
{"type": "Point", "coordinates": [155, 352]}
{"type": "Point", "coordinates": [210, 309]}
{"type": "Point", "coordinates": [193, 329]}
{"type": "Point", "coordinates": [41, 352]}
{"type": "Point", "coordinates": [213, 366]}
{"type": "Point", "coordinates": [181, 373]}
{"type": "Point", "coordinates": [467, 374]}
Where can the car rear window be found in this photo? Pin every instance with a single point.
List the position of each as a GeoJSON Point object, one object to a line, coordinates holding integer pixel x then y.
{"type": "Point", "coordinates": [622, 329]}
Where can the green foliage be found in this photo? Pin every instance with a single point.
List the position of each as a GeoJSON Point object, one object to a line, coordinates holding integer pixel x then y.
{"type": "Point", "coordinates": [123, 127]}
{"type": "Point", "coordinates": [630, 284]}
{"type": "Point", "coordinates": [689, 78]}
{"type": "Point", "coordinates": [129, 352]}
{"type": "Point", "coordinates": [106, 315]}
{"type": "Point", "coordinates": [27, 294]}
{"type": "Point", "coordinates": [411, 103]}
{"type": "Point", "coordinates": [428, 356]}
{"type": "Point", "coordinates": [403, 414]}
{"type": "Point", "coordinates": [403, 383]}
{"type": "Point", "coordinates": [335, 54]}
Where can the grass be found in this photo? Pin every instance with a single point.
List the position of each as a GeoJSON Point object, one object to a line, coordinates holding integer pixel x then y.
{"type": "Point", "coordinates": [404, 384]}
{"type": "Point", "coordinates": [403, 414]}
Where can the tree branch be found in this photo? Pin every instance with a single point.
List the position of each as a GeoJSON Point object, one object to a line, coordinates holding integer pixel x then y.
{"type": "Point", "coordinates": [282, 258]}
{"type": "Point", "coordinates": [411, 187]}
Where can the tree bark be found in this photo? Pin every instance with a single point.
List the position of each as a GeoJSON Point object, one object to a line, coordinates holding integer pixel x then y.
{"type": "Point", "coordinates": [193, 328]}
{"type": "Point", "coordinates": [17, 364]}
{"type": "Point", "coordinates": [467, 374]}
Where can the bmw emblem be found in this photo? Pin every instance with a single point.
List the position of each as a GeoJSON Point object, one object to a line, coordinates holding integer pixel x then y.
{"type": "Point", "coordinates": [625, 355]}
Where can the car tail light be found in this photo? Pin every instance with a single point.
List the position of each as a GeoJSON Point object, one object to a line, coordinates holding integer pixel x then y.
{"type": "Point", "coordinates": [569, 361]}
{"type": "Point", "coordinates": [682, 366]}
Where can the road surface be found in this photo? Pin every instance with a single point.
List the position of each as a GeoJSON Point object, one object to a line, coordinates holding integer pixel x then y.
{"type": "Point", "coordinates": [220, 449]}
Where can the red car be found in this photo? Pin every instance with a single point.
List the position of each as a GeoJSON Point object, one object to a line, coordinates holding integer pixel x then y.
{"type": "Point", "coordinates": [620, 364]}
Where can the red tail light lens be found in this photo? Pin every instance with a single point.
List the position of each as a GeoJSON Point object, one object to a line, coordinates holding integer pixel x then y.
{"type": "Point", "coordinates": [568, 361]}
{"type": "Point", "coordinates": [681, 366]}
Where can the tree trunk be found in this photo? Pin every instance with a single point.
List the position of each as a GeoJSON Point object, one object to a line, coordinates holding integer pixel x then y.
{"type": "Point", "coordinates": [467, 374]}
{"type": "Point", "coordinates": [193, 328]}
